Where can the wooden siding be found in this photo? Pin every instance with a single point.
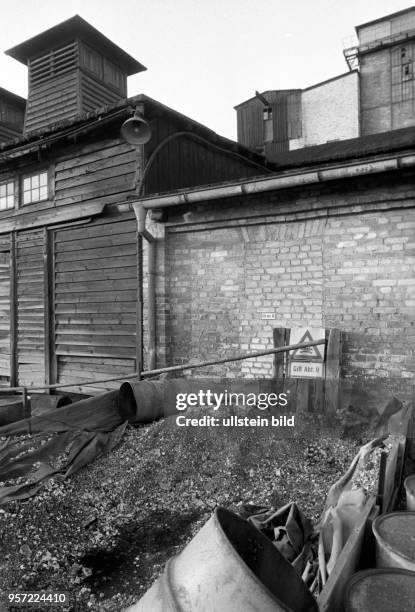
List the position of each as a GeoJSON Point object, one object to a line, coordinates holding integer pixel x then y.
{"type": "Point", "coordinates": [95, 94]}
{"type": "Point", "coordinates": [4, 317]}
{"type": "Point", "coordinates": [286, 115]}
{"type": "Point", "coordinates": [8, 133]}
{"type": "Point", "coordinates": [106, 168]}
{"type": "Point", "coordinates": [250, 124]}
{"type": "Point", "coordinates": [52, 101]}
{"type": "Point", "coordinates": [30, 291]}
{"type": "Point", "coordinates": [95, 288]}
{"type": "Point", "coordinates": [187, 162]}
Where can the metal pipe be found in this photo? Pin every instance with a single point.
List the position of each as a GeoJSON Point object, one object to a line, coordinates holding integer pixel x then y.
{"type": "Point", "coordinates": [152, 348]}
{"type": "Point", "coordinates": [141, 213]}
{"type": "Point", "coordinates": [192, 366]}
{"type": "Point", "coordinates": [274, 182]}
{"type": "Point", "coordinates": [180, 368]}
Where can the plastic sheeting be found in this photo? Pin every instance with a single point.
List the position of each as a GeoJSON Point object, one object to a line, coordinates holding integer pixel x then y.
{"type": "Point", "coordinates": [56, 444]}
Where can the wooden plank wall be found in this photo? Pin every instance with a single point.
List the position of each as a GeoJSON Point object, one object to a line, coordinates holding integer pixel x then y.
{"type": "Point", "coordinates": [30, 320]}
{"type": "Point", "coordinates": [104, 170]}
{"type": "Point", "coordinates": [4, 317]}
{"type": "Point", "coordinates": [250, 124]}
{"type": "Point", "coordinates": [95, 287]}
{"type": "Point", "coordinates": [185, 162]}
{"type": "Point", "coordinates": [95, 94]}
{"type": "Point", "coordinates": [51, 101]}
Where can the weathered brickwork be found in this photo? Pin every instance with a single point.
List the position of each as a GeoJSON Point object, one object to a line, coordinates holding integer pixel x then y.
{"type": "Point", "coordinates": [349, 263]}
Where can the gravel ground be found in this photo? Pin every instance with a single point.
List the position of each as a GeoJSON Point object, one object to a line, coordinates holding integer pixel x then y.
{"type": "Point", "coordinates": [105, 534]}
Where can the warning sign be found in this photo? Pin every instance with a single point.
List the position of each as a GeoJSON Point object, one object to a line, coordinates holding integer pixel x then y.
{"type": "Point", "coordinates": [309, 353]}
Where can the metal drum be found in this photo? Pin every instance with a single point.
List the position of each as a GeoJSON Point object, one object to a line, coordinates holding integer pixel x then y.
{"type": "Point", "coordinates": [409, 484]}
{"type": "Point", "coordinates": [380, 590]}
{"type": "Point", "coordinates": [395, 540]}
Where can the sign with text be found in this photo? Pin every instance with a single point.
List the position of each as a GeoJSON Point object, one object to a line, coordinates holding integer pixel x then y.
{"type": "Point", "coordinates": [307, 362]}
{"type": "Point", "coordinates": [306, 369]}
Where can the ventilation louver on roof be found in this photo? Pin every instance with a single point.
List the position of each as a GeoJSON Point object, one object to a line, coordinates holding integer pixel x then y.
{"type": "Point", "coordinates": [53, 63]}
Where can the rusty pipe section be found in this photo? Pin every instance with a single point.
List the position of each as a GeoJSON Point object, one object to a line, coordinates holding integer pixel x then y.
{"type": "Point", "coordinates": [229, 565]}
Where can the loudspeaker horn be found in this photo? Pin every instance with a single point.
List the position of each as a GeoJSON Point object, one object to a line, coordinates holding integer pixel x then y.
{"type": "Point", "coordinates": [136, 130]}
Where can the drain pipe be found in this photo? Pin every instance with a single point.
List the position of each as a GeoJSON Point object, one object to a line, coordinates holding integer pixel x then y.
{"type": "Point", "coordinates": [143, 233]}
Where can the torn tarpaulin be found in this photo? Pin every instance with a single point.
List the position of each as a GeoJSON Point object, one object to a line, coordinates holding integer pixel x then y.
{"type": "Point", "coordinates": [60, 443]}
{"type": "Point", "coordinates": [25, 466]}
{"type": "Point", "coordinates": [290, 531]}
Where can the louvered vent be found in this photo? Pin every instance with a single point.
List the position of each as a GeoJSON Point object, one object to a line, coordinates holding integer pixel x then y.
{"type": "Point", "coordinates": [73, 69]}
{"type": "Point", "coordinates": [52, 64]}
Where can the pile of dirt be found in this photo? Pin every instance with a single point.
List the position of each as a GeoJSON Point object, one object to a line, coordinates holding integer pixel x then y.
{"type": "Point", "coordinates": [105, 534]}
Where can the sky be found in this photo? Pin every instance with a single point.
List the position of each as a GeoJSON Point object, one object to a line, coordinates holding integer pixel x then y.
{"type": "Point", "coordinates": [203, 57]}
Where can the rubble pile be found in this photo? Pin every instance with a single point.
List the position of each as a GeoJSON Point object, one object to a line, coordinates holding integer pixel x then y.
{"type": "Point", "coordinates": [104, 534]}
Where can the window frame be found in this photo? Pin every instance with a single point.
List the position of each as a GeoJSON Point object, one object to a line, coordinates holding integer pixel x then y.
{"type": "Point", "coordinates": [5, 182]}
{"type": "Point", "coordinates": [30, 175]}
{"type": "Point", "coordinates": [17, 178]}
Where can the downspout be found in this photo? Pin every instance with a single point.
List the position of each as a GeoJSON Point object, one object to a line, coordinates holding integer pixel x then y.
{"type": "Point", "coordinates": [144, 234]}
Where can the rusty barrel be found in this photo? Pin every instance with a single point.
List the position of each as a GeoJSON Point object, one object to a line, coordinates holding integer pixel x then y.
{"type": "Point", "coordinates": [395, 544]}
{"type": "Point", "coordinates": [409, 484]}
{"type": "Point", "coordinates": [156, 399]}
{"type": "Point", "coordinates": [229, 565]}
{"type": "Point", "coordinates": [380, 590]}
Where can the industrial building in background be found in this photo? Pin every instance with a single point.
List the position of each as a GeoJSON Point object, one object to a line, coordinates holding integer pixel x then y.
{"type": "Point", "coordinates": [376, 95]}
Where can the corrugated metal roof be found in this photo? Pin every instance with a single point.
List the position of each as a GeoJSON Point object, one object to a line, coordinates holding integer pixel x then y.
{"type": "Point", "coordinates": [354, 148]}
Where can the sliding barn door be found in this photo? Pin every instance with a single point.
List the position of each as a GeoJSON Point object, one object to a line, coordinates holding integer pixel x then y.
{"type": "Point", "coordinates": [30, 308]}
{"type": "Point", "coordinates": [95, 302]}
{"type": "Point", "coordinates": [5, 319]}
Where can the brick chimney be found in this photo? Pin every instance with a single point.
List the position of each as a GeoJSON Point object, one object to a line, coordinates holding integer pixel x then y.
{"type": "Point", "coordinates": [73, 69]}
{"type": "Point", "coordinates": [12, 110]}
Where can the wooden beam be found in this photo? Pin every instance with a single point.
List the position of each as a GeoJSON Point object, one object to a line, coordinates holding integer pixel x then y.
{"type": "Point", "coordinates": [13, 312]}
{"type": "Point", "coordinates": [30, 220]}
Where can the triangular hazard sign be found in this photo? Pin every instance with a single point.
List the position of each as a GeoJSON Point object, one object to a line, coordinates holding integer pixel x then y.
{"type": "Point", "coordinates": [308, 353]}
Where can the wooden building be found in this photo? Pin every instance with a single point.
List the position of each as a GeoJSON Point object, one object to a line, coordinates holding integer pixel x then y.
{"type": "Point", "coordinates": [12, 112]}
{"type": "Point", "coordinates": [70, 252]}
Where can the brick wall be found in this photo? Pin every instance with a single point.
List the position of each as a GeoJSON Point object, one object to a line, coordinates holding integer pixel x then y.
{"type": "Point", "coordinates": [341, 256]}
{"type": "Point", "coordinates": [330, 111]}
